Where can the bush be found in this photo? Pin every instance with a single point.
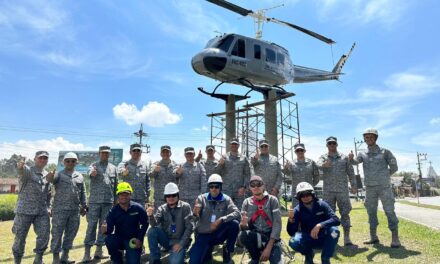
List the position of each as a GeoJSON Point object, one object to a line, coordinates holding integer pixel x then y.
{"type": "Point", "coordinates": [435, 191]}
{"type": "Point", "coordinates": [7, 206]}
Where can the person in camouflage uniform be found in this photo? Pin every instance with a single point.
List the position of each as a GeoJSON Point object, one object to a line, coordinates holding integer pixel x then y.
{"type": "Point", "coordinates": [32, 207]}
{"type": "Point", "coordinates": [210, 163]}
{"type": "Point", "coordinates": [301, 169]}
{"type": "Point", "coordinates": [337, 172]}
{"type": "Point", "coordinates": [69, 196]}
{"type": "Point", "coordinates": [103, 181]}
{"type": "Point", "coordinates": [162, 173]}
{"type": "Point", "coordinates": [267, 167]}
{"type": "Point", "coordinates": [135, 173]}
{"type": "Point", "coordinates": [191, 178]}
{"type": "Point", "coordinates": [378, 164]}
{"type": "Point", "coordinates": [236, 172]}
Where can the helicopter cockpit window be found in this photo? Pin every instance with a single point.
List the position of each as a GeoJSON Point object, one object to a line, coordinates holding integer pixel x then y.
{"type": "Point", "coordinates": [225, 43]}
{"type": "Point", "coordinates": [270, 56]}
{"type": "Point", "coordinates": [280, 58]}
{"type": "Point", "coordinates": [257, 52]}
{"type": "Point", "coordinates": [239, 49]}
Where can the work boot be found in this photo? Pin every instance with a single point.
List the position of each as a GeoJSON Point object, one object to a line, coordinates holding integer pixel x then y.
{"type": "Point", "coordinates": [325, 261]}
{"type": "Point", "coordinates": [226, 255]}
{"type": "Point", "coordinates": [17, 260]}
{"type": "Point", "coordinates": [87, 257]}
{"type": "Point", "coordinates": [99, 254]}
{"type": "Point", "coordinates": [38, 259]}
{"type": "Point", "coordinates": [395, 242]}
{"type": "Point", "coordinates": [373, 237]}
{"type": "Point", "coordinates": [309, 258]}
{"type": "Point", "coordinates": [65, 258]}
{"type": "Point", "coordinates": [56, 258]}
{"type": "Point", "coordinates": [347, 241]}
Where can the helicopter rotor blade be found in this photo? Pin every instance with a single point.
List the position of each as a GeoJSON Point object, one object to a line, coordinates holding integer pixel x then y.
{"type": "Point", "coordinates": [230, 6]}
{"type": "Point", "coordinates": [306, 31]}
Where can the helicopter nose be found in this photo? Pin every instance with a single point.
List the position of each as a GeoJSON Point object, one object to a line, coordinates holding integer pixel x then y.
{"type": "Point", "coordinates": [214, 64]}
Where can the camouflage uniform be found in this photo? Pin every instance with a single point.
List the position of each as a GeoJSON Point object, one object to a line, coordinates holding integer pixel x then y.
{"type": "Point", "coordinates": [139, 181]}
{"type": "Point", "coordinates": [31, 208]}
{"type": "Point", "coordinates": [335, 188]}
{"type": "Point", "coordinates": [378, 165]}
{"type": "Point", "coordinates": [161, 178]}
{"type": "Point", "coordinates": [102, 196]}
{"type": "Point", "coordinates": [192, 182]}
{"type": "Point", "coordinates": [235, 173]}
{"type": "Point", "coordinates": [69, 195]}
{"type": "Point", "coordinates": [211, 166]}
{"type": "Point", "coordinates": [302, 171]}
{"type": "Point", "coordinates": [269, 169]}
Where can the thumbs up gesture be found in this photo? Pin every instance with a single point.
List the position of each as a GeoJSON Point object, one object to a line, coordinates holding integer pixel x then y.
{"type": "Point", "coordinates": [157, 167]}
{"type": "Point", "coordinates": [125, 170]}
{"type": "Point", "coordinates": [287, 165]}
{"type": "Point", "coordinates": [179, 170]}
{"type": "Point", "coordinates": [222, 160]}
{"type": "Point", "coordinates": [351, 155]}
{"type": "Point", "coordinates": [93, 172]}
{"type": "Point", "coordinates": [244, 219]}
{"type": "Point", "coordinates": [50, 176]}
{"type": "Point", "coordinates": [197, 209]}
{"type": "Point", "coordinates": [150, 210]}
{"type": "Point", "coordinates": [20, 164]}
{"type": "Point", "coordinates": [327, 163]}
{"type": "Point", "coordinates": [257, 155]}
{"type": "Point", "coordinates": [199, 156]}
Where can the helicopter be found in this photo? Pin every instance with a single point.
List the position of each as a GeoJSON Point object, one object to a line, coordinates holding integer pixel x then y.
{"type": "Point", "coordinates": [255, 63]}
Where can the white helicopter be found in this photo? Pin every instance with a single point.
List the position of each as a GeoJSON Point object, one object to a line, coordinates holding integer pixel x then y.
{"type": "Point", "coordinates": [257, 64]}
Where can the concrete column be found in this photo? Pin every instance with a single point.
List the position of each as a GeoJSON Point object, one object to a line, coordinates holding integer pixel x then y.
{"type": "Point", "coordinates": [230, 120]}
{"type": "Point", "coordinates": [271, 128]}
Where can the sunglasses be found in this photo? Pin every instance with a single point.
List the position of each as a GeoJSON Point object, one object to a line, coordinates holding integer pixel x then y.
{"type": "Point", "coordinates": [43, 158]}
{"type": "Point", "coordinates": [69, 161]}
{"type": "Point", "coordinates": [214, 186]}
{"type": "Point", "coordinates": [256, 184]}
{"type": "Point", "coordinates": [264, 146]}
{"type": "Point", "coordinates": [136, 150]}
{"type": "Point", "coordinates": [299, 150]}
{"type": "Point", "coordinates": [171, 195]}
{"type": "Point", "coordinates": [302, 195]}
{"type": "Point", "coordinates": [331, 143]}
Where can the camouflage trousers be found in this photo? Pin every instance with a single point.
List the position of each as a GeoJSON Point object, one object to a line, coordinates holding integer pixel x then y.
{"type": "Point", "coordinates": [65, 224]}
{"type": "Point", "coordinates": [95, 217]}
{"type": "Point", "coordinates": [342, 199]}
{"type": "Point", "coordinates": [386, 196]}
{"type": "Point", "coordinates": [22, 224]}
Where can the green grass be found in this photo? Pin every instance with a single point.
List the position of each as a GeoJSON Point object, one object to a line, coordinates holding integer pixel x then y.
{"type": "Point", "coordinates": [420, 244]}
{"type": "Point", "coordinates": [7, 206]}
{"type": "Point", "coordinates": [436, 207]}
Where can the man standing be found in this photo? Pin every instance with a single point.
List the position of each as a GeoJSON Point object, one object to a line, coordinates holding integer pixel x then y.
{"type": "Point", "coordinates": [318, 225]}
{"type": "Point", "coordinates": [210, 163]}
{"type": "Point", "coordinates": [235, 171]}
{"type": "Point", "coordinates": [378, 164]}
{"type": "Point", "coordinates": [135, 173]}
{"type": "Point", "coordinates": [191, 177]}
{"type": "Point", "coordinates": [103, 181]}
{"type": "Point", "coordinates": [162, 173]}
{"type": "Point", "coordinates": [171, 227]}
{"type": "Point", "coordinates": [126, 226]}
{"type": "Point", "coordinates": [261, 224]}
{"type": "Point", "coordinates": [268, 168]}
{"type": "Point", "coordinates": [32, 207]}
{"type": "Point", "coordinates": [302, 169]}
{"type": "Point", "coordinates": [217, 220]}
{"type": "Point", "coordinates": [337, 172]}
{"type": "Point", "coordinates": [69, 196]}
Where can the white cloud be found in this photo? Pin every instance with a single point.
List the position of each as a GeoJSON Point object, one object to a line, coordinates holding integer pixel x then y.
{"type": "Point", "coordinates": [154, 114]}
{"type": "Point", "coordinates": [427, 139]}
{"type": "Point", "coordinates": [434, 121]}
{"type": "Point", "coordinates": [201, 129]}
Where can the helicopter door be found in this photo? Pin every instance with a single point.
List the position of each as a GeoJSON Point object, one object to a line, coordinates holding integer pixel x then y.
{"type": "Point", "coordinates": [256, 62]}
{"type": "Point", "coordinates": [238, 62]}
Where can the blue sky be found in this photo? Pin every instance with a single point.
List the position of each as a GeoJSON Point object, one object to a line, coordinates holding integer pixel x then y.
{"type": "Point", "coordinates": [78, 74]}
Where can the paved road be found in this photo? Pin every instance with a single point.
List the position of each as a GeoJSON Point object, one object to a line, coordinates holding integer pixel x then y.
{"type": "Point", "coordinates": [420, 215]}
{"type": "Point", "coordinates": [425, 200]}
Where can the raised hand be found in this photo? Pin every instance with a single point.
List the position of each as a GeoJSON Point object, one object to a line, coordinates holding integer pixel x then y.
{"type": "Point", "coordinates": [327, 163]}
{"type": "Point", "coordinates": [20, 163]}
{"type": "Point", "coordinates": [197, 209]}
{"type": "Point", "coordinates": [93, 172]}
{"type": "Point", "coordinates": [257, 154]}
{"type": "Point", "coordinates": [199, 156]}
{"type": "Point", "coordinates": [351, 155]}
{"type": "Point", "coordinates": [287, 165]}
{"type": "Point", "coordinates": [222, 160]}
{"type": "Point", "coordinates": [50, 176]}
{"type": "Point", "coordinates": [244, 218]}
{"type": "Point", "coordinates": [150, 210]}
{"type": "Point", "coordinates": [179, 170]}
{"type": "Point", "coordinates": [157, 167]}
{"type": "Point", "coordinates": [125, 170]}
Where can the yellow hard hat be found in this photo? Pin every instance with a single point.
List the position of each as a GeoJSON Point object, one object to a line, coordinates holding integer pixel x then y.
{"type": "Point", "coordinates": [124, 187]}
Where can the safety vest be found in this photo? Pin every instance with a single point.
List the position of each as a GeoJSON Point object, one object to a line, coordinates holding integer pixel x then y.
{"type": "Point", "coordinates": [260, 211]}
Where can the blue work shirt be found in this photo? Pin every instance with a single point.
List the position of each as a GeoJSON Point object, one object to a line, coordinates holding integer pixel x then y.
{"type": "Point", "coordinates": [321, 213]}
{"type": "Point", "coordinates": [128, 224]}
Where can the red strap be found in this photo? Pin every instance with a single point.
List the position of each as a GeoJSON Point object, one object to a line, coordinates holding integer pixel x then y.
{"type": "Point", "coordinates": [260, 211]}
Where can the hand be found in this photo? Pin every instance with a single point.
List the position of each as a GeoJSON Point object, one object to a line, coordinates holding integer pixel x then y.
{"type": "Point", "coordinates": [244, 218]}
{"type": "Point", "coordinates": [104, 227]}
{"type": "Point", "coordinates": [222, 160]}
{"type": "Point", "coordinates": [265, 254]}
{"type": "Point", "coordinates": [179, 170]}
{"type": "Point", "coordinates": [315, 231]}
{"type": "Point", "coordinates": [150, 210]}
{"type": "Point", "coordinates": [274, 191]}
{"type": "Point", "coordinates": [125, 170]}
{"type": "Point", "coordinates": [50, 176]}
{"type": "Point", "coordinates": [290, 215]}
{"type": "Point", "coordinates": [138, 243]}
{"type": "Point", "coordinates": [327, 164]}
{"type": "Point", "coordinates": [287, 165]}
{"type": "Point", "coordinates": [93, 173]}
{"type": "Point", "coordinates": [177, 247]}
{"type": "Point", "coordinates": [197, 209]}
{"type": "Point", "coordinates": [241, 191]}
{"type": "Point", "coordinates": [49, 212]}
{"type": "Point", "coordinates": [157, 168]}
{"type": "Point", "coordinates": [83, 210]}
{"type": "Point", "coordinates": [257, 154]}
{"type": "Point", "coordinates": [353, 190]}
{"type": "Point", "coordinates": [199, 156]}
{"type": "Point", "coordinates": [215, 225]}
{"type": "Point", "coordinates": [351, 155]}
{"type": "Point", "coordinates": [20, 164]}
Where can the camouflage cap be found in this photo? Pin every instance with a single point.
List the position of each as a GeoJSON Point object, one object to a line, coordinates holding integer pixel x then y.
{"type": "Point", "coordinates": [256, 178]}
{"type": "Point", "coordinates": [165, 147]}
{"type": "Point", "coordinates": [41, 153]}
{"type": "Point", "coordinates": [263, 142]}
{"type": "Point", "coordinates": [208, 147]}
{"type": "Point", "coordinates": [331, 139]}
{"type": "Point", "coordinates": [234, 141]}
{"type": "Point", "coordinates": [135, 146]}
{"type": "Point", "coordinates": [105, 149]}
{"type": "Point", "coordinates": [299, 146]}
{"type": "Point", "coordinates": [189, 150]}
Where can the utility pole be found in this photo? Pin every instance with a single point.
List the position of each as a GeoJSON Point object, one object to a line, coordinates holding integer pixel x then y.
{"type": "Point", "coordinates": [358, 176]}
{"type": "Point", "coordinates": [140, 134]}
{"type": "Point", "coordinates": [423, 155]}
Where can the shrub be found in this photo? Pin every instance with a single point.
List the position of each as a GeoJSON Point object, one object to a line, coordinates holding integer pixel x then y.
{"type": "Point", "coordinates": [7, 206]}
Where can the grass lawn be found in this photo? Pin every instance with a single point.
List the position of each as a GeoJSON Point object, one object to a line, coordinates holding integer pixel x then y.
{"type": "Point", "coordinates": [436, 207]}
{"type": "Point", "coordinates": [421, 244]}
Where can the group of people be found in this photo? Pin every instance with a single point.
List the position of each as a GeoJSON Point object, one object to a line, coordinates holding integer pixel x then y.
{"type": "Point", "coordinates": [200, 197]}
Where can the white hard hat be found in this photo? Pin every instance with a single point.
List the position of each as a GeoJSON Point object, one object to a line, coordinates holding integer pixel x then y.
{"type": "Point", "coordinates": [171, 188]}
{"type": "Point", "coordinates": [371, 131]}
{"type": "Point", "coordinates": [303, 187]}
{"type": "Point", "coordinates": [70, 155]}
{"type": "Point", "coordinates": [215, 178]}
